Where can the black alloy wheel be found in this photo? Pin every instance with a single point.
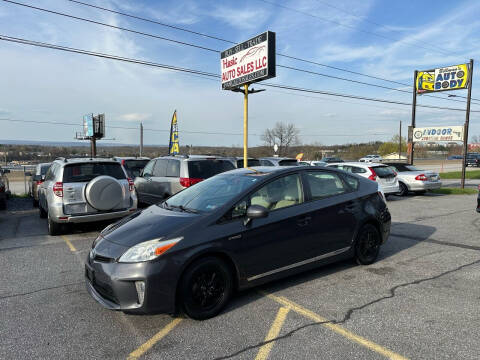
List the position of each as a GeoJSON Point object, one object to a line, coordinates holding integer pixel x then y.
{"type": "Point", "coordinates": [367, 245]}
{"type": "Point", "coordinates": [206, 287]}
{"type": "Point", "coordinates": [403, 190]}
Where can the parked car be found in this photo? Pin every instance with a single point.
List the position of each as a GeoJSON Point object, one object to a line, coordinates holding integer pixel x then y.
{"type": "Point", "coordinates": [413, 179]}
{"type": "Point", "coordinates": [238, 161]}
{"type": "Point", "coordinates": [371, 159]}
{"type": "Point", "coordinates": [233, 231]}
{"type": "Point", "coordinates": [383, 174]}
{"type": "Point", "coordinates": [167, 175]}
{"type": "Point", "coordinates": [85, 190]}
{"type": "Point", "coordinates": [4, 188]}
{"type": "Point", "coordinates": [303, 163]}
{"type": "Point", "coordinates": [455, 157]}
{"type": "Point", "coordinates": [318, 163]}
{"type": "Point", "coordinates": [478, 199]}
{"type": "Point", "coordinates": [133, 165]}
{"type": "Point", "coordinates": [36, 179]}
{"type": "Point", "coordinates": [332, 159]}
{"type": "Point", "coordinates": [473, 160]}
{"type": "Point", "coordinates": [278, 161]}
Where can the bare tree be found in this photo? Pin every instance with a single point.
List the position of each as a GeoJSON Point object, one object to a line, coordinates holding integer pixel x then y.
{"type": "Point", "coordinates": [282, 134]}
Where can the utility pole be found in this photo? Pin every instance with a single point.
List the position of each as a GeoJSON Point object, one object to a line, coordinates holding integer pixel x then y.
{"type": "Point", "coordinates": [467, 122]}
{"type": "Point", "coordinates": [93, 147]}
{"type": "Point", "coordinates": [141, 139]}
{"type": "Point", "coordinates": [414, 109]}
{"type": "Point", "coordinates": [400, 141]}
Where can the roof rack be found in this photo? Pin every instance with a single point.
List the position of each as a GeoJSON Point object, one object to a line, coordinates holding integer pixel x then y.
{"type": "Point", "coordinates": [61, 158]}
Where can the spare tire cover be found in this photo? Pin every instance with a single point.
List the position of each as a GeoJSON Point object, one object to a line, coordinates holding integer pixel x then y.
{"type": "Point", "coordinates": [104, 192]}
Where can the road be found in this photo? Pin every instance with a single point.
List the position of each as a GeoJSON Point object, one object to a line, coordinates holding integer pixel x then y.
{"type": "Point", "coordinates": [420, 300]}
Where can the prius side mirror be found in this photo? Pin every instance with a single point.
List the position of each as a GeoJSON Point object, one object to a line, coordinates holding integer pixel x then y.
{"type": "Point", "coordinates": [255, 212]}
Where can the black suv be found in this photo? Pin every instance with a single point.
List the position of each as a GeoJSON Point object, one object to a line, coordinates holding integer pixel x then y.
{"type": "Point", "coordinates": [473, 159]}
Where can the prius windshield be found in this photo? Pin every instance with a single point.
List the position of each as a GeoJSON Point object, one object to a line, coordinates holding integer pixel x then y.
{"type": "Point", "coordinates": [210, 194]}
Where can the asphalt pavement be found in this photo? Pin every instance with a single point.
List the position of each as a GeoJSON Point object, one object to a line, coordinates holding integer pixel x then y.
{"type": "Point", "coordinates": [420, 300]}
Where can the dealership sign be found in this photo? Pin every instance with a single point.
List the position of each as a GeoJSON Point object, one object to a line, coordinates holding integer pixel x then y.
{"type": "Point", "coordinates": [442, 79]}
{"type": "Point", "coordinates": [250, 61]}
{"type": "Point", "coordinates": [88, 125]}
{"type": "Point", "coordinates": [445, 133]}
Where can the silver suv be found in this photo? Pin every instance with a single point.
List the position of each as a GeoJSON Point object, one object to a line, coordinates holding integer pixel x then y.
{"type": "Point", "coordinates": [85, 190]}
{"type": "Point", "coordinates": [167, 175]}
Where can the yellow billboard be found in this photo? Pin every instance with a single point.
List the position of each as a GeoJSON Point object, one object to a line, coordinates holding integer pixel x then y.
{"type": "Point", "coordinates": [442, 79]}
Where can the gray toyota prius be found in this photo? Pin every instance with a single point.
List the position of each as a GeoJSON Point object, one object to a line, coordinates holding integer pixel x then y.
{"type": "Point", "coordinates": [233, 231]}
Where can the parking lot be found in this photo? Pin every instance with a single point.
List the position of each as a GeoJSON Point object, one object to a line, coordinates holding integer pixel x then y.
{"type": "Point", "coordinates": [419, 300]}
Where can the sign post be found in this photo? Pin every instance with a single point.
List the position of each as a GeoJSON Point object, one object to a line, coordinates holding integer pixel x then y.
{"type": "Point", "coordinates": [448, 78]}
{"type": "Point", "coordinates": [243, 64]}
{"type": "Point", "coordinates": [467, 123]}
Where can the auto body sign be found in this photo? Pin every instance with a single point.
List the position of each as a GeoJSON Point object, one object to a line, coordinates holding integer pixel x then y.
{"type": "Point", "coordinates": [448, 78]}
{"type": "Point", "coordinates": [446, 133]}
{"type": "Point", "coordinates": [250, 61]}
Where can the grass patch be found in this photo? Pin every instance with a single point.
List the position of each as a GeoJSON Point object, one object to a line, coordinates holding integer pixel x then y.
{"type": "Point", "coordinates": [19, 196]}
{"type": "Point", "coordinates": [454, 191]}
{"type": "Point", "coordinates": [474, 174]}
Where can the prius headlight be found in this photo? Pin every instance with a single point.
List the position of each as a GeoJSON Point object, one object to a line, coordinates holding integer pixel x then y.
{"type": "Point", "coordinates": [148, 250]}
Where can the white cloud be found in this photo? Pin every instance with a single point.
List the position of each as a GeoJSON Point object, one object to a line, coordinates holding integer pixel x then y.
{"type": "Point", "coordinates": [249, 19]}
{"type": "Point", "coordinates": [134, 117]}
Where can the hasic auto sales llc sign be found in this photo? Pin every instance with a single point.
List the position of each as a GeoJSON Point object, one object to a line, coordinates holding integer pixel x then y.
{"type": "Point", "coordinates": [250, 61]}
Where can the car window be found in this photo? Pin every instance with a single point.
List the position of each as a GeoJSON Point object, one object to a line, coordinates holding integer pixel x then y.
{"type": "Point", "coordinates": [210, 194]}
{"type": "Point", "coordinates": [324, 184]}
{"type": "Point", "coordinates": [203, 169]}
{"type": "Point", "coordinates": [44, 169]}
{"type": "Point", "coordinates": [358, 170]}
{"type": "Point", "coordinates": [239, 210]}
{"type": "Point", "coordinates": [383, 171]}
{"type": "Point", "coordinates": [48, 175]}
{"type": "Point", "coordinates": [250, 162]}
{"type": "Point", "coordinates": [289, 162]}
{"type": "Point", "coordinates": [134, 167]}
{"type": "Point", "coordinates": [88, 171]}
{"type": "Point", "coordinates": [173, 168]}
{"type": "Point", "coordinates": [266, 163]}
{"type": "Point", "coordinates": [354, 183]}
{"type": "Point", "coordinates": [160, 168]}
{"type": "Point", "coordinates": [148, 169]}
{"type": "Point", "coordinates": [280, 193]}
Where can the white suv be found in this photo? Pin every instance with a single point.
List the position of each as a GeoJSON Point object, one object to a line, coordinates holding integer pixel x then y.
{"type": "Point", "coordinates": [384, 175]}
{"type": "Point", "coordinates": [371, 159]}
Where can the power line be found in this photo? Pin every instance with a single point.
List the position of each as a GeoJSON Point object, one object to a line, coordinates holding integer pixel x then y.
{"type": "Point", "coordinates": [346, 26]}
{"type": "Point", "coordinates": [203, 73]}
{"type": "Point", "coordinates": [202, 47]}
{"type": "Point", "coordinates": [278, 54]}
{"type": "Point", "coordinates": [183, 131]}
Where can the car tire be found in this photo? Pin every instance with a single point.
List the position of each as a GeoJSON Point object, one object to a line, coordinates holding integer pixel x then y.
{"type": "Point", "coordinates": [367, 245]}
{"type": "Point", "coordinates": [403, 190]}
{"type": "Point", "coordinates": [205, 288]}
{"type": "Point", "coordinates": [35, 202]}
{"type": "Point", "coordinates": [3, 204]}
{"type": "Point", "coordinates": [42, 213]}
{"type": "Point", "coordinates": [53, 227]}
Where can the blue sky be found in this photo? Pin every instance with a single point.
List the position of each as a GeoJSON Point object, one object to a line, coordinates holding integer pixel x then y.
{"type": "Point", "coordinates": [382, 38]}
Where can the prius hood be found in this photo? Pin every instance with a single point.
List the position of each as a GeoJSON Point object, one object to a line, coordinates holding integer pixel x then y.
{"type": "Point", "coordinates": [151, 223]}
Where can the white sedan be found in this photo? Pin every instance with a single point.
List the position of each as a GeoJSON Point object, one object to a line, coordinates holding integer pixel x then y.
{"type": "Point", "coordinates": [371, 159]}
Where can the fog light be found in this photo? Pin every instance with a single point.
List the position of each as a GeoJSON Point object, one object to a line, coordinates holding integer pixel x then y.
{"type": "Point", "coordinates": [140, 286]}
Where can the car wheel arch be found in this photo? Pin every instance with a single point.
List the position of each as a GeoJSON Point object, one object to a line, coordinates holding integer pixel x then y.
{"type": "Point", "coordinates": [370, 221]}
{"type": "Point", "coordinates": [226, 258]}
